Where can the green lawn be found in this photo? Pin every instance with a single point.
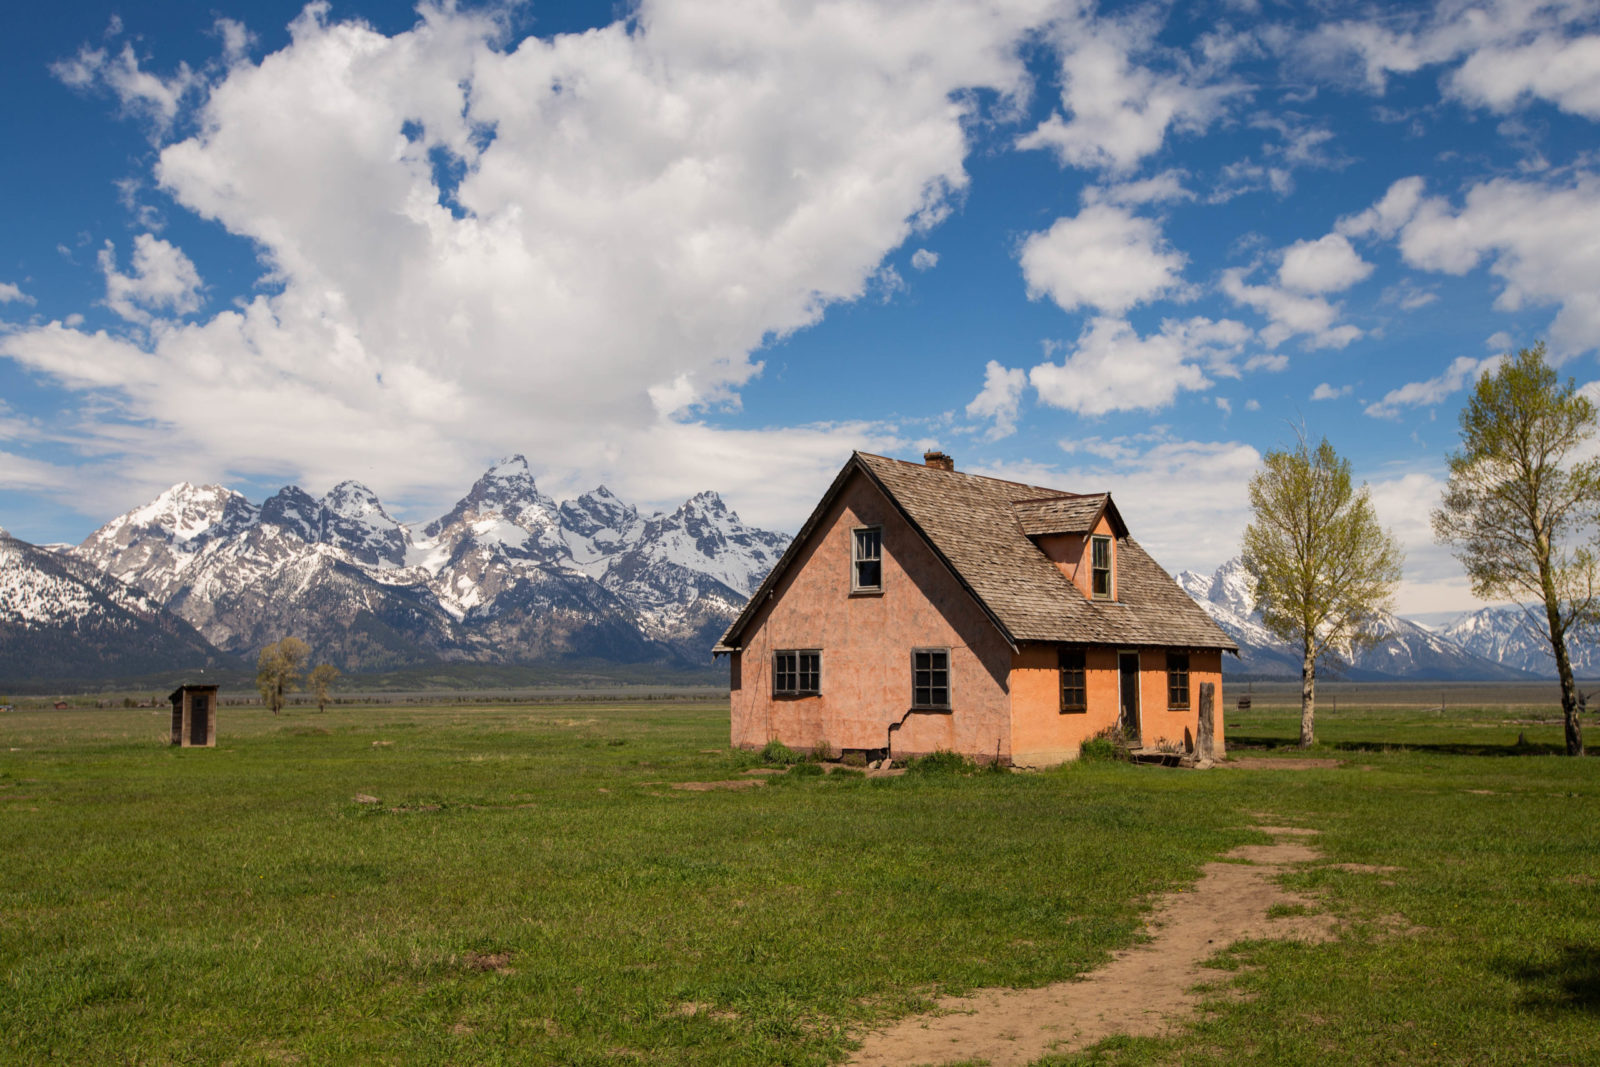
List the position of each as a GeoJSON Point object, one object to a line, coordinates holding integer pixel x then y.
{"type": "Point", "coordinates": [529, 889]}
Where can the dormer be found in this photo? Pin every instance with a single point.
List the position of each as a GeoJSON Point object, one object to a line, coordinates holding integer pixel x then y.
{"type": "Point", "coordinates": [1079, 534]}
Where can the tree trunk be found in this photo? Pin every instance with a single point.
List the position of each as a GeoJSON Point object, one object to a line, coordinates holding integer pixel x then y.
{"type": "Point", "coordinates": [1308, 695]}
{"type": "Point", "coordinates": [1558, 644]}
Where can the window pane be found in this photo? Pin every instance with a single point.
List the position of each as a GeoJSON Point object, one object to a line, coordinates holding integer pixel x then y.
{"type": "Point", "coordinates": [1177, 679]}
{"type": "Point", "coordinates": [867, 555]}
{"type": "Point", "coordinates": [1073, 688]}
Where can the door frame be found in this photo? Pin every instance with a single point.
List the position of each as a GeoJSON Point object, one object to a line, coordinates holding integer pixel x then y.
{"type": "Point", "coordinates": [1123, 655]}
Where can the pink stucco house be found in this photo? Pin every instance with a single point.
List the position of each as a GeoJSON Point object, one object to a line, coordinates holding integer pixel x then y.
{"type": "Point", "coordinates": [922, 609]}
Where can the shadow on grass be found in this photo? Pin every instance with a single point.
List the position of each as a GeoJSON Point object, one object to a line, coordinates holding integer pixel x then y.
{"type": "Point", "coordinates": [1281, 744]}
{"type": "Point", "coordinates": [1570, 982]}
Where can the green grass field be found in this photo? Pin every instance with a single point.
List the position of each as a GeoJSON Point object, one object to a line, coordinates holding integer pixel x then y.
{"type": "Point", "coordinates": [529, 889]}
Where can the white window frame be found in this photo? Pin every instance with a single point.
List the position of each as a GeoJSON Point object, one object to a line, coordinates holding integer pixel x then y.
{"type": "Point", "coordinates": [856, 559]}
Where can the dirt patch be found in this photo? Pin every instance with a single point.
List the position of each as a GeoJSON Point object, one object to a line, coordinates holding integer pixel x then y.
{"type": "Point", "coordinates": [1143, 991]}
{"type": "Point", "coordinates": [499, 962]}
{"type": "Point", "coordinates": [706, 787]}
{"type": "Point", "coordinates": [1264, 763]}
{"type": "Point", "coordinates": [767, 770]}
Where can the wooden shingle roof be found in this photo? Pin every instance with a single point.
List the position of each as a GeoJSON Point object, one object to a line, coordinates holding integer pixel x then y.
{"type": "Point", "coordinates": [980, 528]}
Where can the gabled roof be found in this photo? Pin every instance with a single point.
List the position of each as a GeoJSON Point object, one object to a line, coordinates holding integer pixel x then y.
{"type": "Point", "coordinates": [980, 528]}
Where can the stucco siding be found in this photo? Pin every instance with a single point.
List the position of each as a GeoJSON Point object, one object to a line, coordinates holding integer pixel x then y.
{"type": "Point", "coordinates": [866, 641]}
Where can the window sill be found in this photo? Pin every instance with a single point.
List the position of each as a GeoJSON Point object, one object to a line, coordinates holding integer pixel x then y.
{"type": "Point", "coordinates": [931, 707]}
{"type": "Point", "coordinates": [796, 696]}
{"type": "Point", "coordinates": [1075, 711]}
{"type": "Point", "coordinates": [877, 591]}
{"type": "Point", "coordinates": [1180, 711]}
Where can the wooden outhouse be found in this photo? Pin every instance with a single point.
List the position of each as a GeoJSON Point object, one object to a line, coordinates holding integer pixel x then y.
{"type": "Point", "coordinates": [194, 716]}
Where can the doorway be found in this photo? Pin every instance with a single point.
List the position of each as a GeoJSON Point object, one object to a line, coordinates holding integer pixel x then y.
{"type": "Point", "coordinates": [1128, 719]}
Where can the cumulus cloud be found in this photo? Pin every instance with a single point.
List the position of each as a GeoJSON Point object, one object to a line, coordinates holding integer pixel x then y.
{"type": "Point", "coordinates": [1509, 51]}
{"type": "Point", "coordinates": [1290, 313]}
{"type": "Point", "coordinates": [1326, 265]}
{"type": "Point", "coordinates": [1114, 111]}
{"type": "Point", "coordinates": [1112, 368]}
{"type": "Point", "coordinates": [1000, 399]}
{"type": "Point", "coordinates": [922, 259]}
{"type": "Point", "coordinates": [11, 293]}
{"type": "Point", "coordinates": [1104, 257]}
{"type": "Point", "coordinates": [1324, 391]}
{"type": "Point", "coordinates": [142, 94]}
{"type": "Point", "coordinates": [1162, 188]}
{"type": "Point", "coordinates": [1385, 218]}
{"type": "Point", "coordinates": [1533, 236]}
{"type": "Point", "coordinates": [163, 279]}
{"type": "Point", "coordinates": [570, 247]}
{"type": "Point", "coordinates": [1436, 390]}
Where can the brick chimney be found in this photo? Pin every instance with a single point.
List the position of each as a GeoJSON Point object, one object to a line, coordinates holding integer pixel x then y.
{"type": "Point", "coordinates": [939, 461]}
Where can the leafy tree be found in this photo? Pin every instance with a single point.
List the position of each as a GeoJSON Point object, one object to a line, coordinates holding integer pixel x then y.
{"type": "Point", "coordinates": [1322, 565]}
{"type": "Point", "coordinates": [278, 670]}
{"type": "Point", "coordinates": [322, 676]}
{"type": "Point", "coordinates": [1522, 510]}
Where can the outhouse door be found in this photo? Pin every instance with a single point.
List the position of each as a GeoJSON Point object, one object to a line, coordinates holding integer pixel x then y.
{"type": "Point", "coordinates": [199, 718]}
{"type": "Point", "coordinates": [1128, 720]}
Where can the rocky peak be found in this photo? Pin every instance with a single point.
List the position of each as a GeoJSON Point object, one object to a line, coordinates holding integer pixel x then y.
{"type": "Point", "coordinates": [507, 490]}
{"type": "Point", "coordinates": [352, 500]}
{"type": "Point", "coordinates": [297, 511]}
{"type": "Point", "coordinates": [599, 509]}
{"type": "Point", "coordinates": [1233, 587]}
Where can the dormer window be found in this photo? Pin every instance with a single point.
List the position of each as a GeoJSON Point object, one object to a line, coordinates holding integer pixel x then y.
{"type": "Point", "coordinates": [1100, 567]}
{"type": "Point", "coordinates": [866, 560]}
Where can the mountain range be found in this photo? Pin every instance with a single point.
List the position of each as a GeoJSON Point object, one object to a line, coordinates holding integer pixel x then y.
{"type": "Point", "coordinates": [1493, 643]}
{"type": "Point", "coordinates": [507, 576]}
{"type": "Point", "coordinates": [201, 576]}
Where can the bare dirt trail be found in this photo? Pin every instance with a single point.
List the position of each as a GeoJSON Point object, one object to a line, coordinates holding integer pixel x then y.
{"type": "Point", "coordinates": [1143, 991]}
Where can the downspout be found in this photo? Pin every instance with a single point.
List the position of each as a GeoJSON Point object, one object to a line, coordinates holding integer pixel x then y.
{"type": "Point", "coordinates": [888, 739]}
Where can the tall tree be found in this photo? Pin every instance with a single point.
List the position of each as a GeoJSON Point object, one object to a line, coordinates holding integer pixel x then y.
{"type": "Point", "coordinates": [322, 676]}
{"type": "Point", "coordinates": [1322, 565]}
{"type": "Point", "coordinates": [278, 670]}
{"type": "Point", "coordinates": [1522, 509]}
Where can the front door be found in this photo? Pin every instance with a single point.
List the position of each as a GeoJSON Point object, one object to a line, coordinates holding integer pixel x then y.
{"type": "Point", "coordinates": [1128, 721]}
{"type": "Point", "coordinates": [199, 718]}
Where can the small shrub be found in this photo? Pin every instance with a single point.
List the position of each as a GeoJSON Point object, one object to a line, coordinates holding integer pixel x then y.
{"type": "Point", "coordinates": [942, 762]}
{"type": "Point", "coordinates": [823, 753]}
{"type": "Point", "coordinates": [1103, 746]}
{"type": "Point", "coordinates": [776, 751]}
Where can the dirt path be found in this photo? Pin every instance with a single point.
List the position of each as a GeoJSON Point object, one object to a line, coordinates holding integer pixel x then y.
{"type": "Point", "coordinates": [1143, 990]}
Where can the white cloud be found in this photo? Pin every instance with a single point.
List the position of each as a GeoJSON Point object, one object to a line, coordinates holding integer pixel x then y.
{"type": "Point", "coordinates": [1534, 237]}
{"type": "Point", "coordinates": [1105, 257]}
{"type": "Point", "coordinates": [142, 94]}
{"type": "Point", "coordinates": [639, 209]}
{"type": "Point", "coordinates": [1112, 368]}
{"type": "Point", "coordinates": [1499, 341]}
{"type": "Point", "coordinates": [1252, 404]}
{"type": "Point", "coordinates": [1290, 313]}
{"type": "Point", "coordinates": [1462, 370]}
{"type": "Point", "coordinates": [922, 259]}
{"type": "Point", "coordinates": [1118, 112]}
{"type": "Point", "coordinates": [1224, 405]}
{"type": "Point", "coordinates": [1510, 51]}
{"type": "Point", "coordinates": [1324, 391]}
{"type": "Point", "coordinates": [1326, 265]}
{"type": "Point", "coordinates": [1388, 215]}
{"type": "Point", "coordinates": [1162, 188]}
{"type": "Point", "coordinates": [163, 279]}
{"type": "Point", "coordinates": [1000, 398]}
{"type": "Point", "coordinates": [10, 293]}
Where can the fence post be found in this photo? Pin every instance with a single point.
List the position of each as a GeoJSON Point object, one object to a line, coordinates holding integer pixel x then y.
{"type": "Point", "coordinates": [1204, 753]}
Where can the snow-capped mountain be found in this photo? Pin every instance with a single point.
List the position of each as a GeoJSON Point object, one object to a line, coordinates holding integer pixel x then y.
{"type": "Point", "coordinates": [507, 575]}
{"type": "Point", "coordinates": [1514, 638]}
{"type": "Point", "coordinates": [1405, 650]}
{"type": "Point", "coordinates": [61, 618]}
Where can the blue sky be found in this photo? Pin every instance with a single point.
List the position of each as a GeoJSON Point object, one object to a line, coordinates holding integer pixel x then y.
{"type": "Point", "coordinates": [684, 245]}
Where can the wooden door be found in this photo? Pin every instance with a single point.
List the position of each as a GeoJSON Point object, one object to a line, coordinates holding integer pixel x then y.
{"type": "Point", "coordinates": [1128, 720]}
{"type": "Point", "coordinates": [199, 718]}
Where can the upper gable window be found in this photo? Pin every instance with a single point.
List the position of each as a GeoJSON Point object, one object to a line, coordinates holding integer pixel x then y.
{"type": "Point", "coordinates": [1100, 567]}
{"type": "Point", "coordinates": [866, 559]}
